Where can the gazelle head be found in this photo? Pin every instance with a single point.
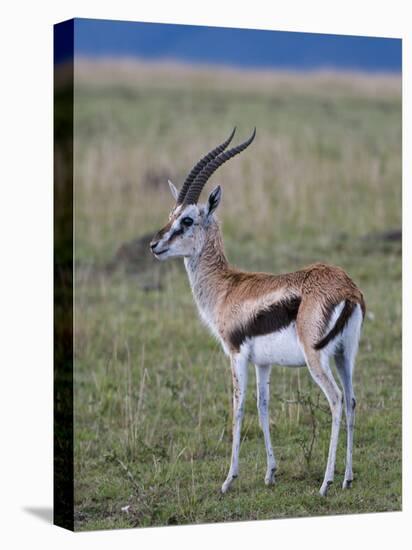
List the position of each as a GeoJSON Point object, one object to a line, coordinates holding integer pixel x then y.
{"type": "Point", "coordinates": [186, 230]}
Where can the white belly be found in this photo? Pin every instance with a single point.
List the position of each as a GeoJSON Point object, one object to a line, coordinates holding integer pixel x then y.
{"type": "Point", "coordinates": [278, 348]}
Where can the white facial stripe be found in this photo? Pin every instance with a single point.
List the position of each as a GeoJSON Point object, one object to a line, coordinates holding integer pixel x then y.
{"type": "Point", "coordinates": [175, 227]}
{"type": "Point", "coordinates": [175, 211]}
{"type": "Point", "coordinates": [189, 211]}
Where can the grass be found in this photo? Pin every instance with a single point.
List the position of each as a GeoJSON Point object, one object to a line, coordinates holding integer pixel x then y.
{"type": "Point", "coordinates": [152, 388]}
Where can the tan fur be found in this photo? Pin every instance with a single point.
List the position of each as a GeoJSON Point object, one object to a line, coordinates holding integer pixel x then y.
{"type": "Point", "coordinates": [238, 295]}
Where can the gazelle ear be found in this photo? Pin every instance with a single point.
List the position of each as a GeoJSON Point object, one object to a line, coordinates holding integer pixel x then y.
{"type": "Point", "coordinates": [173, 190]}
{"type": "Point", "coordinates": [214, 200]}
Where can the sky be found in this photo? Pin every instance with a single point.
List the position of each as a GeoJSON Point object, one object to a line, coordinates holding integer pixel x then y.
{"type": "Point", "coordinates": [242, 48]}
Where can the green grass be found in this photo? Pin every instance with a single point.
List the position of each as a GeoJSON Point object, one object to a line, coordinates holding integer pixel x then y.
{"type": "Point", "coordinates": [152, 388]}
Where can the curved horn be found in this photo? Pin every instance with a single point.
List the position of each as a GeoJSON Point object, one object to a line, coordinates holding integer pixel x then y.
{"type": "Point", "coordinates": [193, 194]}
{"type": "Point", "coordinates": [200, 165]}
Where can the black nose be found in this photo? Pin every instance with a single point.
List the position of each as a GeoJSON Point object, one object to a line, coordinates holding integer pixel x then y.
{"type": "Point", "coordinates": [153, 244]}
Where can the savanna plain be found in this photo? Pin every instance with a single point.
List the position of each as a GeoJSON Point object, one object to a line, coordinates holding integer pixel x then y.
{"type": "Point", "coordinates": [321, 182]}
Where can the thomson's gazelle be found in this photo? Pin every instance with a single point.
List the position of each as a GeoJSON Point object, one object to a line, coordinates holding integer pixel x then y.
{"type": "Point", "coordinates": [295, 319]}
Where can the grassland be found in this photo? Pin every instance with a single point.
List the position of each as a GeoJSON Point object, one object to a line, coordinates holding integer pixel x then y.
{"type": "Point", "coordinates": [152, 388]}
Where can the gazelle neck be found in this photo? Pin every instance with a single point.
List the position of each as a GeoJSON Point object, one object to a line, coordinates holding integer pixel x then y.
{"type": "Point", "coordinates": [206, 270]}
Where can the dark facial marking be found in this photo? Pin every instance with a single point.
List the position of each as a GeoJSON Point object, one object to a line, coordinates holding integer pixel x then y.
{"type": "Point", "coordinates": [176, 233]}
{"type": "Point", "coordinates": [276, 317]}
{"type": "Point", "coordinates": [184, 224]}
{"type": "Point", "coordinates": [159, 234]}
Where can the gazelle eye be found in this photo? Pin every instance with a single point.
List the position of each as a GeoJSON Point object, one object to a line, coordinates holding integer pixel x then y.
{"type": "Point", "coordinates": [187, 222]}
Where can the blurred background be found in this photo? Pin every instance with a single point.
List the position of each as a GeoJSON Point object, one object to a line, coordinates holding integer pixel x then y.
{"type": "Point", "coordinates": [321, 182]}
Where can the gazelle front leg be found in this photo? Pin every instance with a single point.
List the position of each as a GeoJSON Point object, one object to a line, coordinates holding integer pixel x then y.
{"type": "Point", "coordinates": [239, 366]}
{"type": "Point", "coordinates": [262, 390]}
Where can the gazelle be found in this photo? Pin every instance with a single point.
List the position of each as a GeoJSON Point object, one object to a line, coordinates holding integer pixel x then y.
{"type": "Point", "coordinates": [294, 319]}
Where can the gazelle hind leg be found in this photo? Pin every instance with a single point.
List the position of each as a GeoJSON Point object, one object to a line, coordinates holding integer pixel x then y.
{"type": "Point", "coordinates": [344, 366]}
{"type": "Point", "coordinates": [239, 366]}
{"type": "Point", "coordinates": [318, 365]}
{"type": "Point", "coordinates": [262, 390]}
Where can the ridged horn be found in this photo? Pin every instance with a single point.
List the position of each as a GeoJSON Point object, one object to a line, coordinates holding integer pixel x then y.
{"type": "Point", "coordinates": [201, 179]}
{"type": "Point", "coordinates": [200, 165]}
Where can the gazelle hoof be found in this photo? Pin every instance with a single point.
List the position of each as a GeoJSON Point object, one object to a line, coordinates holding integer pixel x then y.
{"type": "Point", "coordinates": [347, 484]}
{"type": "Point", "coordinates": [270, 477]}
{"type": "Point", "coordinates": [226, 485]}
{"type": "Point", "coordinates": [325, 488]}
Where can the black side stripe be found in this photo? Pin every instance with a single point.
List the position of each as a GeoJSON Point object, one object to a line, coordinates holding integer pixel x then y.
{"type": "Point", "coordinates": [272, 319]}
{"type": "Point", "coordinates": [338, 327]}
